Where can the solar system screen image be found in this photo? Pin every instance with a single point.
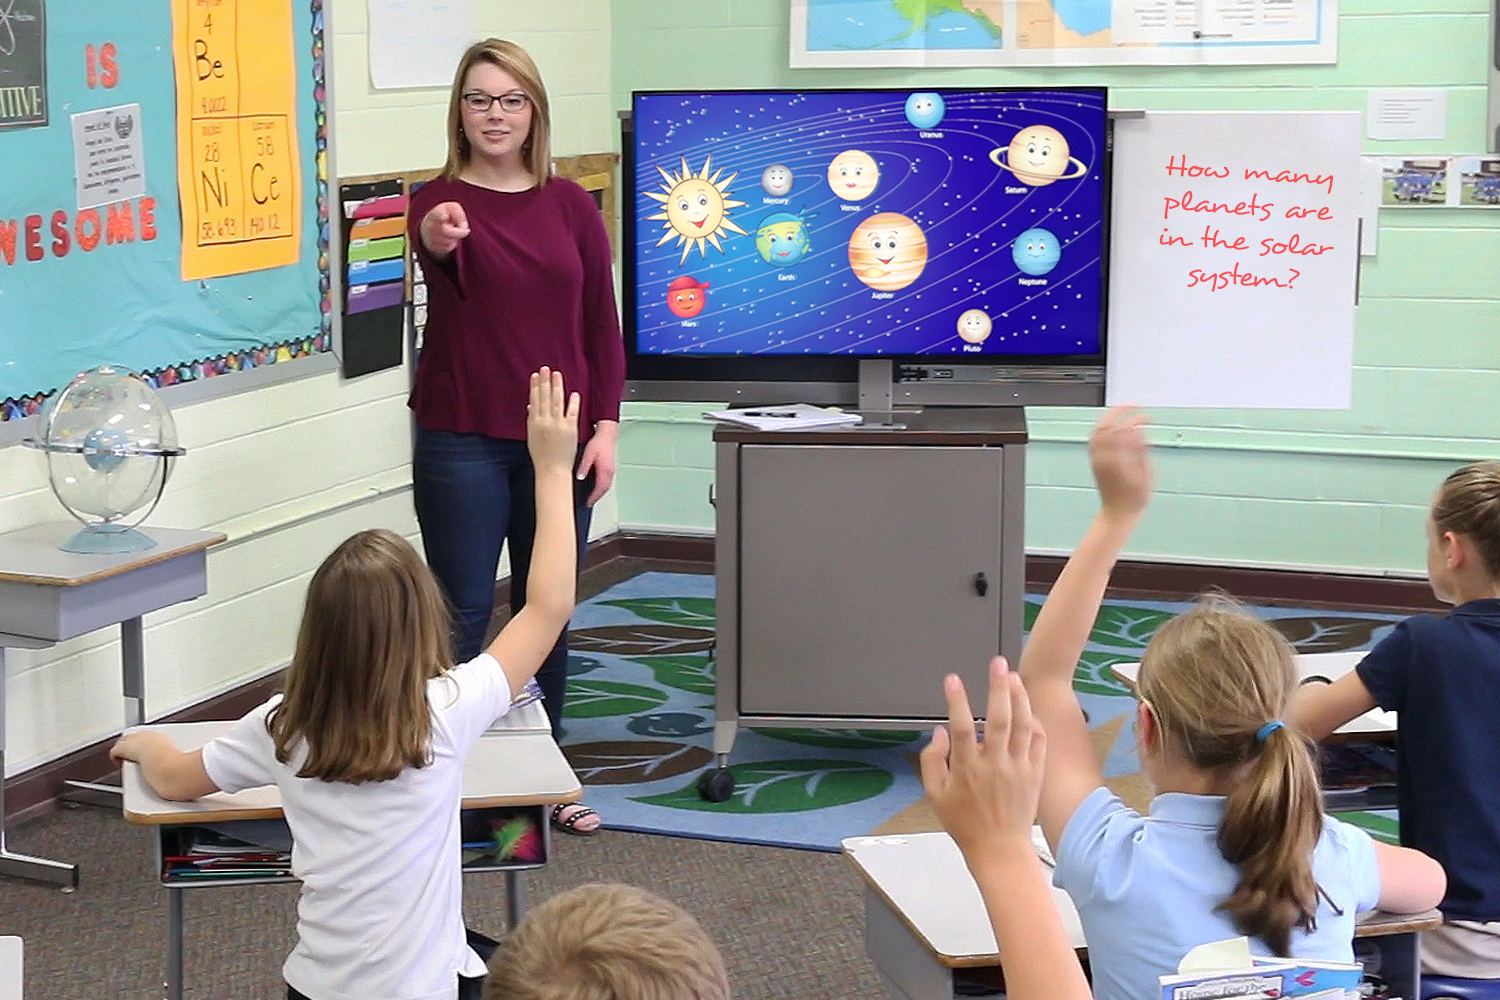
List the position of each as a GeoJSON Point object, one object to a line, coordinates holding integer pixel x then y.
{"type": "Point", "coordinates": [951, 224]}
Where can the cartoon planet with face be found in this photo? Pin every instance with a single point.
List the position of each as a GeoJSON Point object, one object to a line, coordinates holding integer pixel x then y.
{"type": "Point", "coordinates": [1036, 251]}
{"type": "Point", "coordinates": [781, 238]}
{"type": "Point", "coordinates": [1038, 155]}
{"type": "Point", "coordinates": [686, 296]}
{"type": "Point", "coordinates": [887, 251]}
{"type": "Point", "coordinates": [925, 110]}
{"type": "Point", "coordinates": [974, 326]}
{"type": "Point", "coordinates": [776, 180]}
{"type": "Point", "coordinates": [853, 175]}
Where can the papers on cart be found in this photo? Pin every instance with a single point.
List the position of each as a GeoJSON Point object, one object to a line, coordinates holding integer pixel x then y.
{"type": "Point", "coordinates": [784, 417]}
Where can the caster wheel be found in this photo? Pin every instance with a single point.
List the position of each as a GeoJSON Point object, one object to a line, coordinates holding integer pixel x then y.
{"type": "Point", "coordinates": [716, 785]}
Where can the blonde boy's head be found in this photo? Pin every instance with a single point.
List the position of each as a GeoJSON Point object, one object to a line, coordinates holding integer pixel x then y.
{"type": "Point", "coordinates": [607, 942]}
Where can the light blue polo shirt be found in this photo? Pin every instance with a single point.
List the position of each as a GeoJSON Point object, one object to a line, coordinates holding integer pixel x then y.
{"type": "Point", "coordinates": [1146, 887]}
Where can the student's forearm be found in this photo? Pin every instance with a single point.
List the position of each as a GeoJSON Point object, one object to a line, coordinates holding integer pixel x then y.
{"type": "Point", "coordinates": [1038, 959]}
{"type": "Point", "coordinates": [169, 772]}
{"type": "Point", "coordinates": [550, 581]}
{"type": "Point", "coordinates": [1067, 617]}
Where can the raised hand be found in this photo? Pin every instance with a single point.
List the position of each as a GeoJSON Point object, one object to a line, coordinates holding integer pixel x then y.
{"type": "Point", "coordinates": [986, 793]}
{"type": "Point", "coordinates": [551, 422]}
{"type": "Point", "coordinates": [444, 227]}
{"type": "Point", "coordinates": [1121, 460]}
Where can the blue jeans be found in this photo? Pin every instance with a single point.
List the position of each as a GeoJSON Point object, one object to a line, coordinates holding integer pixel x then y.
{"type": "Point", "coordinates": [472, 493]}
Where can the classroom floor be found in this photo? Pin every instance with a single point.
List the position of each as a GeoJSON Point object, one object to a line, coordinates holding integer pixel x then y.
{"type": "Point", "coordinates": [788, 922]}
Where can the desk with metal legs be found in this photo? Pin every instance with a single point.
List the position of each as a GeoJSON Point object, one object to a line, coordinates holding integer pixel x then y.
{"type": "Point", "coordinates": [48, 595]}
{"type": "Point", "coordinates": [520, 766]}
{"type": "Point", "coordinates": [924, 918]}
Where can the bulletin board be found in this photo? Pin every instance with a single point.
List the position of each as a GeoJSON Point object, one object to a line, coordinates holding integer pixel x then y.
{"type": "Point", "coordinates": [163, 190]}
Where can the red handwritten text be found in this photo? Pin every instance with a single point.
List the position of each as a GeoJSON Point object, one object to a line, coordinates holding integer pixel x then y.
{"type": "Point", "coordinates": [1186, 203]}
{"type": "Point", "coordinates": [1288, 177]}
{"type": "Point", "coordinates": [1184, 169]}
{"type": "Point", "coordinates": [1220, 280]}
{"type": "Point", "coordinates": [1211, 239]}
{"type": "Point", "coordinates": [1293, 245]}
{"type": "Point", "coordinates": [1298, 212]}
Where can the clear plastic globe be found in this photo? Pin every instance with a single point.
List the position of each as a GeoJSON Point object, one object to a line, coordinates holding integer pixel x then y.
{"type": "Point", "coordinates": [109, 442]}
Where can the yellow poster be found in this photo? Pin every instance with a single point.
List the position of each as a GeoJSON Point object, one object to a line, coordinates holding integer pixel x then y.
{"type": "Point", "coordinates": [237, 174]}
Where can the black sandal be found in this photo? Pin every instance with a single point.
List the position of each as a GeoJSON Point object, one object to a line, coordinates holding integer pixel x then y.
{"type": "Point", "coordinates": [570, 825]}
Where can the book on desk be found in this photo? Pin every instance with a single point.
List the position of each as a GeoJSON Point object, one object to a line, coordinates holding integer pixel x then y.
{"type": "Point", "coordinates": [1268, 977]}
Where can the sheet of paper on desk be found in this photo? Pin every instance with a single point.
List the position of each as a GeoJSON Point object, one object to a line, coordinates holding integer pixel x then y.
{"type": "Point", "coordinates": [784, 417]}
{"type": "Point", "coordinates": [526, 713]}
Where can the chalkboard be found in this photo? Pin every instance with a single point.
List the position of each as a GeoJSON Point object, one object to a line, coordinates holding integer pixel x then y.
{"type": "Point", "coordinates": [163, 190]}
{"type": "Point", "coordinates": [1233, 259]}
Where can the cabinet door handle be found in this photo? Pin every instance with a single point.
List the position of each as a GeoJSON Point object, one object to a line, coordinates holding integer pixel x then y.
{"type": "Point", "coordinates": [981, 584]}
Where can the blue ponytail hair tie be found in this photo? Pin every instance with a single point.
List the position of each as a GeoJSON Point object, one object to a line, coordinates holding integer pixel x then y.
{"type": "Point", "coordinates": [1265, 731]}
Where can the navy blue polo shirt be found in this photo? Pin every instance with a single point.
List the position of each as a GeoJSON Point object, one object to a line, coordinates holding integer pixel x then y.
{"type": "Point", "coordinates": [1442, 676]}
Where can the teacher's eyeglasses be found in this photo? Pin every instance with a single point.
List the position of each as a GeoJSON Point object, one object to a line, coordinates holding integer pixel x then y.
{"type": "Point", "coordinates": [512, 104]}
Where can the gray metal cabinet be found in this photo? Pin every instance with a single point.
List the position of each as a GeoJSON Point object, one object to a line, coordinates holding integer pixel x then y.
{"type": "Point", "coordinates": [857, 566]}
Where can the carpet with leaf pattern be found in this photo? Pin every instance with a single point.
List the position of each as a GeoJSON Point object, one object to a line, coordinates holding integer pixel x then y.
{"type": "Point", "coordinates": [639, 720]}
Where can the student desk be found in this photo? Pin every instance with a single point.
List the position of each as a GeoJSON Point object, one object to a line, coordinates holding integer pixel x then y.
{"type": "Point", "coordinates": [11, 979]}
{"type": "Point", "coordinates": [924, 916]}
{"type": "Point", "coordinates": [48, 595]}
{"type": "Point", "coordinates": [1376, 724]}
{"type": "Point", "coordinates": [519, 765]}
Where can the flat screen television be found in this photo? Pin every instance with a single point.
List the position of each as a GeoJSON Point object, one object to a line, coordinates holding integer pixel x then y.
{"type": "Point", "coordinates": [776, 243]}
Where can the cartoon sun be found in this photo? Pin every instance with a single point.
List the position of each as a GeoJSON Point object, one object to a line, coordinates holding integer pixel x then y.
{"type": "Point", "coordinates": [696, 208]}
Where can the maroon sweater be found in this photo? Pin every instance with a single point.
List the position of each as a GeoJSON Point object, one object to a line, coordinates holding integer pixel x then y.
{"type": "Point", "coordinates": [529, 286]}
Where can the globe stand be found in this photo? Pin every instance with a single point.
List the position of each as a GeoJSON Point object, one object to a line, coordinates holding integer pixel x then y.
{"type": "Point", "coordinates": [107, 539]}
{"type": "Point", "coordinates": [109, 443]}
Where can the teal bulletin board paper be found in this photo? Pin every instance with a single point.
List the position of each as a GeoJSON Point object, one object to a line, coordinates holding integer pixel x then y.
{"type": "Point", "coordinates": [81, 288]}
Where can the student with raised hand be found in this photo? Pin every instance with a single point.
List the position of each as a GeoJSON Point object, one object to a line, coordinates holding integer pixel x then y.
{"type": "Point", "coordinates": [1441, 675]}
{"type": "Point", "coordinates": [985, 794]}
{"type": "Point", "coordinates": [607, 941]}
{"type": "Point", "coordinates": [1236, 842]}
{"type": "Point", "coordinates": [368, 739]}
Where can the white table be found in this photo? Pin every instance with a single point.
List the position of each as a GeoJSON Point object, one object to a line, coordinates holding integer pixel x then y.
{"type": "Point", "coordinates": [519, 765]}
{"type": "Point", "coordinates": [1377, 723]}
{"type": "Point", "coordinates": [924, 916]}
{"type": "Point", "coordinates": [48, 595]}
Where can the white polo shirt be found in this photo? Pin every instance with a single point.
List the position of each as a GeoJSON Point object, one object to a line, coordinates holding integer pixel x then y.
{"type": "Point", "coordinates": [1146, 887]}
{"type": "Point", "coordinates": [381, 908]}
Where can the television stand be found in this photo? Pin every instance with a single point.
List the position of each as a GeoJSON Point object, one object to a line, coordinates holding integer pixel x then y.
{"type": "Point", "coordinates": [856, 566]}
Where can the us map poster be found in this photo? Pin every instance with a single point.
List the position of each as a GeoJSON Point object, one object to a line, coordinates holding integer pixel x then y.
{"type": "Point", "coordinates": [236, 135]}
{"type": "Point", "coordinates": [836, 33]}
{"type": "Point", "coordinates": [23, 63]}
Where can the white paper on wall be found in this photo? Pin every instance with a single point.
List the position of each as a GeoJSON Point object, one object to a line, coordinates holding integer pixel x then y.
{"type": "Point", "coordinates": [1234, 246]}
{"type": "Point", "coordinates": [417, 43]}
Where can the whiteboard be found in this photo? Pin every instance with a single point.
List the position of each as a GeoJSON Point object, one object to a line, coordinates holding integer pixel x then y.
{"type": "Point", "coordinates": [1233, 256]}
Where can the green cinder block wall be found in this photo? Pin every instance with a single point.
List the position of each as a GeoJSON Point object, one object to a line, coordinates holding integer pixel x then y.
{"type": "Point", "coordinates": [1328, 490]}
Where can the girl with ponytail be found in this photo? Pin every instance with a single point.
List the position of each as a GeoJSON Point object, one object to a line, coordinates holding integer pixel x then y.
{"type": "Point", "coordinates": [1235, 842]}
{"type": "Point", "coordinates": [1441, 675]}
